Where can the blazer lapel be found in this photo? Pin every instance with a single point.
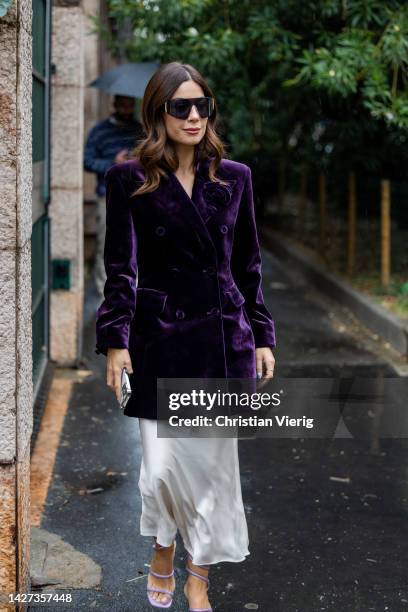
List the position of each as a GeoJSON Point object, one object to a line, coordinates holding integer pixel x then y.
{"type": "Point", "coordinates": [188, 209]}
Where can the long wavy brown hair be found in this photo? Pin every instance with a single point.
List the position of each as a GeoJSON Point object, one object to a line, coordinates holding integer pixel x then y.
{"type": "Point", "coordinates": [156, 152]}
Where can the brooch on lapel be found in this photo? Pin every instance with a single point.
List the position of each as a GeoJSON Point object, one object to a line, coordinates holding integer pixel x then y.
{"type": "Point", "coordinates": [214, 193]}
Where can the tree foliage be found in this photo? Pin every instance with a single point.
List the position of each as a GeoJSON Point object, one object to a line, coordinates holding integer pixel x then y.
{"type": "Point", "coordinates": [322, 82]}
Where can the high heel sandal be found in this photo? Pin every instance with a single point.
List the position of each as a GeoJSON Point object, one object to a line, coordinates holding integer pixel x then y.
{"type": "Point", "coordinates": [154, 602]}
{"type": "Point", "coordinates": [203, 578]}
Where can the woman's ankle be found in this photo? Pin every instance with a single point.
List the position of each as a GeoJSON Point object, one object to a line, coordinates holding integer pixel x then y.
{"type": "Point", "coordinates": [164, 550]}
{"type": "Point", "coordinates": [200, 569]}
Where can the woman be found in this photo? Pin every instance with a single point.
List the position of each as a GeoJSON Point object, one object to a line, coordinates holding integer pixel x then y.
{"type": "Point", "coordinates": [183, 299]}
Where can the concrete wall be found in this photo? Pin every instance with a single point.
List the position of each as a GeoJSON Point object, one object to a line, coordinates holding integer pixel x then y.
{"type": "Point", "coordinates": [91, 94]}
{"type": "Point", "coordinates": [66, 209]}
{"type": "Point", "coordinates": [98, 106]}
{"type": "Point", "coordinates": [15, 288]}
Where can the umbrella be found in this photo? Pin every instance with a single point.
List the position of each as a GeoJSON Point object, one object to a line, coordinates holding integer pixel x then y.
{"type": "Point", "coordinates": [126, 79]}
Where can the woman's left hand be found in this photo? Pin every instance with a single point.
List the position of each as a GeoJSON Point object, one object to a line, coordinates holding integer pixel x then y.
{"type": "Point", "coordinates": [265, 364]}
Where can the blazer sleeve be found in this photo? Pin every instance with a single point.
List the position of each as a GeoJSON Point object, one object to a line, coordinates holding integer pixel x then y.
{"type": "Point", "coordinates": [246, 268]}
{"type": "Point", "coordinates": [114, 315]}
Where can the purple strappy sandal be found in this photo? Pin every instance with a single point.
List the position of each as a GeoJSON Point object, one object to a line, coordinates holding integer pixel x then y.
{"type": "Point", "coordinates": [204, 579]}
{"type": "Point", "coordinates": [154, 602]}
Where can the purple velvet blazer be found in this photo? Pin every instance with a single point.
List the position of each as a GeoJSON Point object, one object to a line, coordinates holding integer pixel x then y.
{"type": "Point", "coordinates": [183, 290]}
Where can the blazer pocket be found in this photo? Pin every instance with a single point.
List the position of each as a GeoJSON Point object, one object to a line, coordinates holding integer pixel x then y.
{"type": "Point", "coordinates": [234, 295]}
{"type": "Point", "coordinates": [150, 304]}
{"type": "Point", "coordinates": [150, 300]}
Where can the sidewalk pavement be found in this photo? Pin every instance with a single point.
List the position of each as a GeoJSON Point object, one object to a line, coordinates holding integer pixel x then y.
{"type": "Point", "coordinates": [326, 518]}
{"type": "Point", "coordinates": [382, 322]}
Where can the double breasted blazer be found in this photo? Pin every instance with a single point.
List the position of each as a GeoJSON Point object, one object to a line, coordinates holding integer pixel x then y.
{"type": "Point", "coordinates": [183, 290]}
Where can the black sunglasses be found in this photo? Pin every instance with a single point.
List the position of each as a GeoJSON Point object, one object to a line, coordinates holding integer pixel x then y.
{"type": "Point", "coordinates": [181, 107]}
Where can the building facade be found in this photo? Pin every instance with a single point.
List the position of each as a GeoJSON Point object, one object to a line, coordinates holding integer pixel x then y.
{"type": "Point", "coordinates": [47, 54]}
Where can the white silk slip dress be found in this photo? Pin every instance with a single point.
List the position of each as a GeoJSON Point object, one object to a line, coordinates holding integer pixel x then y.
{"type": "Point", "coordinates": [192, 485]}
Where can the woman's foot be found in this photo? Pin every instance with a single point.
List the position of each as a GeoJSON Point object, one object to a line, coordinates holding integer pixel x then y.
{"type": "Point", "coordinates": [162, 563]}
{"type": "Point", "coordinates": [196, 589]}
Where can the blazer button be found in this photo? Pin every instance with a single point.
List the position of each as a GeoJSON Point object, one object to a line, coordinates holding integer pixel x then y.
{"type": "Point", "coordinates": [213, 311]}
{"type": "Point", "coordinates": [224, 229]}
{"type": "Point", "coordinates": [210, 271]}
{"type": "Point", "coordinates": [160, 230]}
{"type": "Point", "coordinates": [180, 314]}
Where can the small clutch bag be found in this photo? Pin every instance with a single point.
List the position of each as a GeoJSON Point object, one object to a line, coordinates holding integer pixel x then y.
{"type": "Point", "coordinates": [125, 389]}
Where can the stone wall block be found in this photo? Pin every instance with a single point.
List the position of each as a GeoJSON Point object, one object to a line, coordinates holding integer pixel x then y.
{"type": "Point", "coordinates": [8, 356]}
{"type": "Point", "coordinates": [24, 349]}
{"type": "Point", "coordinates": [64, 326]}
{"type": "Point", "coordinates": [67, 41]}
{"type": "Point", "coordinates": [8, 539]}
{"type": "Point", "coordinates": [8, 85]}
{"type": "Point", "coordinates": [67, 157]}
{"type": "Point", "coordinates": [24, 140]}
{"type": "Point", "coordinates": [26, 15]}
{"type": "Point", "coordinates": [8, 228]}
{"type": "Point", "coordinates": [65, 241]}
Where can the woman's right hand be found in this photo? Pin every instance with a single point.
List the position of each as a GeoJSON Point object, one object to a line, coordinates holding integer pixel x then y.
{"type": "Point", "coordinates": [116, 360]}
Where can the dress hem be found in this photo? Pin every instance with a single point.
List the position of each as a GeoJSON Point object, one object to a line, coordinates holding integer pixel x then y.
{"type": "Point", "coordinates": [222, 560]}
{"type": "Point", "coordinates": [219, 560]}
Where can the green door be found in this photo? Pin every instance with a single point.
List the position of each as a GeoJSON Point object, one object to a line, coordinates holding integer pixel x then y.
{"type": "Point", "coordinates": [41, 188]}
